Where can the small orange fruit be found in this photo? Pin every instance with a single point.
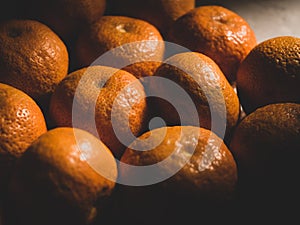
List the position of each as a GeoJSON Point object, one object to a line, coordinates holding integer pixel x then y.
{"type": "Point", "coordinates": [65, 177]}
{"type": "Point", "coordinates": [21, 122]}
{"type": "Point", "coordinates": [110, 99]}
{"type": "Point", "coordinates": [139, 44]}
{"type": "Point", "coordinates": [33, 58]}
{"type": "Point", "coordinates": [200, 171]}
{"type": "Point", "coordinates": [216, 32]}
{"type": "Point", "coordinates": [160, 13]}
{"type": "Point", "coordinates": [211, 94]}
{"type": "Point", "coordinates": [270, 73]}
{"type": "Point", "coordinates": [266, 147]}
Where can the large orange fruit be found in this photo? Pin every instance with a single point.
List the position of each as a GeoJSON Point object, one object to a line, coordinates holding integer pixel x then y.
{"type": "Point", "coordinates": [200, 177]}
{"type": "Point", "coordinates": [110, 99]}
{"type": "Point", "coordinates": [270, 73]}
{"type": "Point", "coordinates": [160, 13]}
{"type": "Point", "coordinates": [217, 32]}
{"type": "Point", "coordinates": [266, 147]}
{"type": "Point", "coordinates": [201, 78]}
{"type": "Point", "coordinates": [138, 43]}
{"type": "Point", "coordinates": [65, 178]}
{"type": "Point", "coordinates": [21, 122]}
{"type": "Point", "coordinates": [33, 58]}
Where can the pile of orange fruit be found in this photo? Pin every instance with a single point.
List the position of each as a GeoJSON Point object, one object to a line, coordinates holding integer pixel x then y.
{"type": "Point", "coordinates": [145, 112]}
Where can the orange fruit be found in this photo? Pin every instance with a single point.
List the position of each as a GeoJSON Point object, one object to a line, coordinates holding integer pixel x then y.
{"type": "Point", "coordinates": [66, 17]}
{"type": "Point", "coordinates": [107, 98]}
{"type": "Point", "coordinates": [160, 13]}
{"type": "Point", "coordinates": [205, 176]}
{"type": "Point", "coordinates": [21, 123]}
{"type": "Point", "coordinates": [217, 32]}
{"type": "Point", "coordinates": [270, 73]}
{"type": "Point", "coordinates": [211, 94]}
{"type": "Point", "coordinates": [266, 147]}
{"type": "Point", "coordinates": [65, 177]}
{"type": "Point", "coordinates": [33, 59]}
{"type": "Point", "coordinates": [139, 44]}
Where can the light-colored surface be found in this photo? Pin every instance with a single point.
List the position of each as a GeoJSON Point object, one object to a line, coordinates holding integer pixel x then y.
{"type": "Point", "coordinates": [268, 18]}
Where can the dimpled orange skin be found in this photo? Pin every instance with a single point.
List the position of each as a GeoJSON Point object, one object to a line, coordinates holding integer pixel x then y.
{"type": "Point", "coordinates": [209, 176]}
{"type": "Point", "coordinates": [266, 144]}
{"type": "Point", "coordinates": [55, 183]}
{"type": "Point", "coordinates": [130, 107]}
{"type": "Point", "coordinates": [270, 73]}
{"type": "Point", "coordinates": [202, 79]}
{"type": "Point", "coordinates": [217, 32]}
{"type": "Point", "coordinates": [21, 122]}
{"type": "Point", "coordinates": [160, 13]}
{"type": "Point", "coordinates": [110, 32]}
{"type": "Point", "coordinates": [33, 58]}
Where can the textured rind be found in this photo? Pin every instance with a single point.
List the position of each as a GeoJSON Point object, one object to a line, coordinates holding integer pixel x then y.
{"type": "Point", "coordinates": [160, 13]}
{"type": "Point", "coordinates": [33, 58]}
{"type": "Point", "coordinates": [205, 181]}
{"type": "Point", "coordinates": [211, 165]}
{"type": "Point", "coordinates": [102, 88]}
{"type": "Point", "coordinates": [270, 73]}
{"type": "Point", "coordinates": [216, 32]}
{"type": "Point", "coordinates": [120, 41]}
{"type": "Point", "coordinates": [266, 143]}
{"type": "Point", "coordinates": [55, 178]}
{"type": "Point", "coordinates": [202, 79]}
{"type": "Point", "coordinates": [21, 121]}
